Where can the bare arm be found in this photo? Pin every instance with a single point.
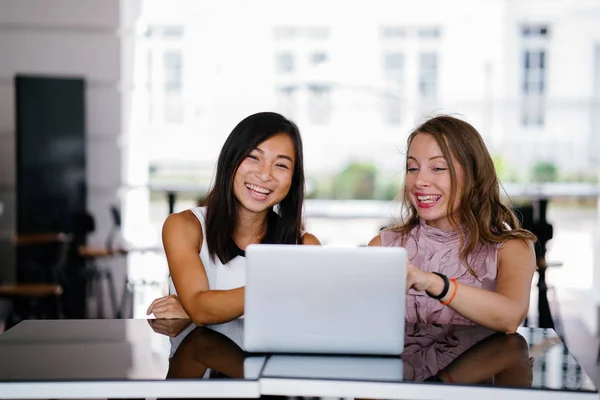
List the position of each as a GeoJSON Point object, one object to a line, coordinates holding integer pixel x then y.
{"type": "Point", "coordinates": [496, 355]}
{"type": "Point", "coordinates": [182, 240]}
{"type": "Point", "coordinates": [376, 241]}
{"type": "Point", "coordinates": [218, 352]}
{"type": "Point", "coordinates": [204, 348]}
{"type": "Point", "coordinates": [502, 310]}
{"type": "Point", "coordinates": [310, 239]}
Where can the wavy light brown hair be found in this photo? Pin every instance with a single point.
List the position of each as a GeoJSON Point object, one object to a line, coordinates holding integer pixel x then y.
{"type": "Point", "coordinates": [481, 213]}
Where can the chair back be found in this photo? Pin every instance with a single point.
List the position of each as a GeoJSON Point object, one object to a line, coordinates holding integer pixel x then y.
{"type": "Point", "coordinates": [530, 220]}
{"type": "Point", "coordinates": [41, 258]}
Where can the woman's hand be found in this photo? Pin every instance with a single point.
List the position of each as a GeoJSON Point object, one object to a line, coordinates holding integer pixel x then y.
{"type": "Point", "coordinates": [169, 327]}
{"type": "Point", "coordinates": [167, 307]}
{"type": "Point", "coordinates": [416, 279]}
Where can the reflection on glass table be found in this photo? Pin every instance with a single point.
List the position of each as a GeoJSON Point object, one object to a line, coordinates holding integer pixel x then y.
{"type": "Point", "coordinates": [451, 354]}
{"type": "Point", "coordinates": [209, 352]}
{"type": "Point", "coordinates": [176, 359]}
{"type": "Point", "coordinates": [459, 354]}
{"type": "Point", "coordinates": [124, 359]}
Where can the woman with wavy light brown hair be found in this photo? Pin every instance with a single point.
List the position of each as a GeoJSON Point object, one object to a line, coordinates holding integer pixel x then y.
{"type": "Point", "coordinates": [469, 260]}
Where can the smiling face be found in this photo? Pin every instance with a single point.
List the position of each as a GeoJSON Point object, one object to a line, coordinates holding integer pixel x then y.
{"type": "Point", "coordinates": [264, 177]}
{"type": "Point", "coordinates": [429, 183]}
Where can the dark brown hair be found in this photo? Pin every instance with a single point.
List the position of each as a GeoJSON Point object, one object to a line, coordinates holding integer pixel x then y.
{"type": "Point", "coordinates": [481, 213]}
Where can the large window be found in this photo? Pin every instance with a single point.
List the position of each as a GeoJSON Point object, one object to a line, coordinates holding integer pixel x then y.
{"type": "Point", "coordinates": [393, 65]}
{"type": "Point", "coordinates": [596, 77]}
{"type": "Point", "coordinates": [392, 32]}
{"type": "Point", "coordinates": [164, 62]}
{"type": "Point", "coordinates": [394, 72]}
{"type": "Point", "coordinates": [318, 57]}
{"type": "Point", "coordinates": [302, 86]}
{"type": "Point", "coordinates": [533, 83]}
{"type": "Point", "coordinates": [428, 75]}
{"type": "Point", "coordinates": [287, 100]}
{"type": "Point", "coordinates": [173, 103]}
{"type": "Point", "coordinates": [594, 148]}
{"type": "Point", "coordinates": [319, 104]}
{"type": "Point", "coordinates": [173, 69]}
{"type": "Point", "coordinates": [284, 62]}
{"type": "Point", "coordinates": [429, 32]}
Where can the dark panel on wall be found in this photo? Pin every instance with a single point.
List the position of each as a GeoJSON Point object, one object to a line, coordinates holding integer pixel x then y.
{"type": "Point", "coordinates": [50, 153]}
{"type": "Point", "coordinates": [50, 175]}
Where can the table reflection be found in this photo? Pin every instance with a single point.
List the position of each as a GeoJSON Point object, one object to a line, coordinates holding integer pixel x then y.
{"type": "Point", "coordinates": [479, 358]}
{"type": "Point", "coordinates": [438, 354]}
{"type": "Point", "coordinates": [207, 352]}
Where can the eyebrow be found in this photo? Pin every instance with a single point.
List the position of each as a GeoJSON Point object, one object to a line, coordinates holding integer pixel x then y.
{"type": "Point", "coordinates": [432, 158]}
{"type": "Point", "coordinates": [278, 156]}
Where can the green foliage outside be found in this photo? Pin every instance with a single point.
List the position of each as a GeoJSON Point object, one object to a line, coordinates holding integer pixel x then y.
{"type": "Point", "coordinates": [580, 177]}
{"type": "Point", "coordinates": [358, 181]}
{"type": "Point", "coordinates": [543, 172]}
{"type": "Point", "coordinates": [505, 172]}
{"type": "Point", "coordinates": [364, 181]}
{"type": "Point", "coordinates": [539, 172]}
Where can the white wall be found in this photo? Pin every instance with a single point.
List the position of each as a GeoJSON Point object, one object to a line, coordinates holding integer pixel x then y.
{"type": "Point", "coordinates": [81, 38]}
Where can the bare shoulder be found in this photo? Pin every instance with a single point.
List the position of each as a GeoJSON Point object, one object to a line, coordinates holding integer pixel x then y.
{"type": "Point", "coordinates": [182, 220]}
{"type": "Point", "coordinates": [182, 226]}
{"type": "Point", "coordinates": [310, 239]}
{"type": "Point", "coordinates": [516, 245]}
{"type": "Point", "coordinates": [376, 241]}
{"type": "Point", "coordinates": [517, 251]}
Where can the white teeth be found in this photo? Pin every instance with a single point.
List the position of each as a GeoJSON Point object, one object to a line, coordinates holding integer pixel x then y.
{"type": "Point", "coordinates": [428, 198]}
{"type": "Point", "coordinates": [258, 189]}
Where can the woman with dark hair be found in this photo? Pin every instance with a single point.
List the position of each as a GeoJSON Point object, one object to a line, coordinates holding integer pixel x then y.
{"type": "Point", "coordinates": [470, 261]}
{"type": "Point", "coordinates": [257, 197]}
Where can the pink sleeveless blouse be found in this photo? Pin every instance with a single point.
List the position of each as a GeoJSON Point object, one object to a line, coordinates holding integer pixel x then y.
{"type": "Point", "coordinates": [435, 250]}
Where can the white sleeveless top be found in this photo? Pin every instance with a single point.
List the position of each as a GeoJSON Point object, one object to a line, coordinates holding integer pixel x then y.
{"type": "Point", "coordinates": [220, 277]}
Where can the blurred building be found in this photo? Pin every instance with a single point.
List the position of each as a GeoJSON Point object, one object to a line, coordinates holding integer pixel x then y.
{"type": "Point", "coordinates": [358, 77]}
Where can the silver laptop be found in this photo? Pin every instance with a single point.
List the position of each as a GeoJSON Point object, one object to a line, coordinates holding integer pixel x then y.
{"type": "Point", "coordinates": [314, 299]}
